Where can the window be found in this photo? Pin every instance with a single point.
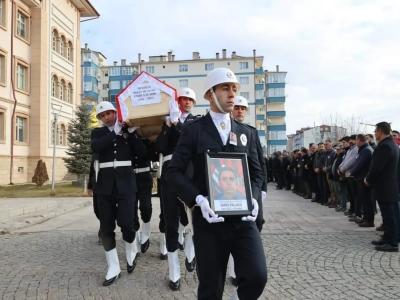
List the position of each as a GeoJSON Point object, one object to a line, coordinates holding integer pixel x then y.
{"type": "Point", "coordinates": [277, 135]}
{"type": "Point", "coordinates": [3, 13]}
{"type": "Point", "coordinates": [276, 92]}
{"type": "Point", "coordinates": [2, 68]}
{"type": "Point", "coordinates": [54, 39]}
{"type": "Point", "coordinates": [22, 25]}
{"type": "Point", "coordinates": [63, 90]}
{"type": "Point", "coordinates": [115, 85]}
{"type": "Point", "coordinates": [87, 86]}
{"type": "Point", "coordinates": [127, 71]}
{"type": "Point", "coordinates": [183, 68]}
{"type": "Point", "coordinates": [115, 71]}
{"type": "Point", "coordinates": [244, 80]}
{"type": "Point", "coordinates": [22, 77]}
{"type": "Point", "coordinates": [70, 93]}
{"type": "Point", "coordinates": [105, 98]}
{"type": "Point", "coordinates": [183, 83]}
{"type": "Point", "coordinates": [69, 51]}
{"type": "Point", "coordinates": [243, 65]}
{"type": "Point", "coordinates": [2, 126]}
{"type": "Point", "coordinates": [150, 69]}
{"type": "Point", "coordinates": [276, 78]}
{"type": "Point", "coordinates": [21, 129]}
{"type": "Point", "coordinates": [105, 86]}
{"type": "Point", "coordinates": [125, 83]}
{"type": "Point", "coordinates": [62, 135]}
{"type": "Point", "coordinates": [245, 94]}
{"type": "Point", "coordinates": [54, 86]}
{"type": "Point", "coordinates": [209, 67]}
{"type": "Point", "coordinates": [63, 45]}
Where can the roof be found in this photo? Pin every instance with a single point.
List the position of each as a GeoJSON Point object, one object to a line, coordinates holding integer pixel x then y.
{"type": "Point", "coordinates": [85, 8]}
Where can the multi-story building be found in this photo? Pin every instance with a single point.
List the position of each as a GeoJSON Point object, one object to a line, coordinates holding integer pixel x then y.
{"type": "Point", "coordinates": [276, 98]}
{"type": "Point", "coordinates": [40, 77]}
{"type": "Point", "coordinates": [192, 72]}
{"type": "Point", "coordinates": [318, 134]}
{"type": "Point", "coordinates": [92, 62]}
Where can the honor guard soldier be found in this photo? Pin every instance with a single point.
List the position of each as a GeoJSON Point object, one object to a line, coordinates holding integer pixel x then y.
{"type": "Point", "coordinates": [174, 211]}
{"type": "Point", "coordinates": [115, 187]}
{"type": "Point", "coordinates": [216, 237]}
{"type": "Point", "coordinates": [144, 183]}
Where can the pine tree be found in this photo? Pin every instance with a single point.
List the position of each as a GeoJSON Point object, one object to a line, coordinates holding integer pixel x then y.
{"type": "Point", "coordinates": [79, 151]}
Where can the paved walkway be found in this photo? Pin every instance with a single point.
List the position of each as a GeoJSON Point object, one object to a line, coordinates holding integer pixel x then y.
{"type": "Point", "coordinates": [313, 253]}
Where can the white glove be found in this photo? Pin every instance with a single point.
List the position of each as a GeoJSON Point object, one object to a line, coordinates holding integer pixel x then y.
{"type": "Point", "coordinates": [117, 127]}
{"type": "Point", "coordinates": [254, 212]}
{"type": "Point", "coordinates": [263, 196]}
{"type": "Point", "coordinates": [168, 121]}
{"type": "Point", "coordinates": [206, 211]}
{"type": "Point", "coordinates": [132, 129]}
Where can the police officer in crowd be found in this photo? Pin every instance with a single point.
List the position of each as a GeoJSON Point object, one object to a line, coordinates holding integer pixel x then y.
{"type": "Point", "coordinates": [175, 215]}
{"type": "Point", "coordinates": [144, 182]}
{"type": "Point", "coordinates": [116, 145]}
{"type": "Point", "coordinates": [216, 237]}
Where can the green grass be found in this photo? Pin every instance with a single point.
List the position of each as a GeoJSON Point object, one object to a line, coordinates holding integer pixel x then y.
{"type": "Point", "coordinates": [31, 190]}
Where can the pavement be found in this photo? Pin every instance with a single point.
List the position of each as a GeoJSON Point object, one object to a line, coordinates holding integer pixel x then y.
{"type": "Point", "coordinates": [312, 251]}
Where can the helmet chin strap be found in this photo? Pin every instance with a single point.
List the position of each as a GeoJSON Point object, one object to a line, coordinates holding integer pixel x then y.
{"type": "Point", "coordinates": [216, 100]}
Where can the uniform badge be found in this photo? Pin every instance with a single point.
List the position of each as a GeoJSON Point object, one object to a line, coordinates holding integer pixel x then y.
{"type": "Point", "coordinates": [243, 139]}
{"type": "Point", "coordinates": [232, 138]}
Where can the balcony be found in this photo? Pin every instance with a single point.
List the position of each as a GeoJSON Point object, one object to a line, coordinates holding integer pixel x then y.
{"type": "Point", "coordinates": [259, 86]}
{"type": "Point", "coordinates": [276, 127]}
{"type": "Point", "coordinates": [277, 142]}
{"type": "Point", "coordinates": [276, 113]}
{"type": "Point", "coordinates": [276, 85]}
{"type": "Point", "coordinates": [276, 99]}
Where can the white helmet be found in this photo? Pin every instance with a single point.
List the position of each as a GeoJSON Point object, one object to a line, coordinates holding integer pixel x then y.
{"type": "Point", "coordinates": [104, 106]}
{"type": "Point", "coordinates": [241, 101]}
{"type": "Point", "coordinates": [218, 76]}
{"type": "Point", "coordinates": [187, 92]}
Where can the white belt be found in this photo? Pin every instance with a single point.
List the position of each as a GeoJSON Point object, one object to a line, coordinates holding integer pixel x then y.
{"type": "Point", "coordinates": [116, 163]}
{"type": "Point", "coordinates": [167, 158]}
{"type": "Point", "coordinates": [142, 170]}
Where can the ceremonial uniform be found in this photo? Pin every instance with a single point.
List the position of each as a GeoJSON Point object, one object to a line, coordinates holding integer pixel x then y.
{"type": "Point", "coordinates": [214, 242]}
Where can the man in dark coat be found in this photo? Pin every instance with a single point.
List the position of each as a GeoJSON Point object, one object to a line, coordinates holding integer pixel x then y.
{"type": "Point", "coordinates": [382, 177]}
{"type": "Point", "coordinates": [216, 237]}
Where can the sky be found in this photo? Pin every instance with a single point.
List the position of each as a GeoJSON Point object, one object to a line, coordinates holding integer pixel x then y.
{"type": "Point", "coordinates": [342, 56]}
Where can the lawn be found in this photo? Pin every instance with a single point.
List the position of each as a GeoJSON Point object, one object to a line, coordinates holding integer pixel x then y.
{"type": "Point", "coordinates": [31, 190]}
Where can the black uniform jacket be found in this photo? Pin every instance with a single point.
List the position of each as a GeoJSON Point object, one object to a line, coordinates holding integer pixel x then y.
{"type": "Point", "coordinates": [382, 174]}
{"type": "Point", "coordinates": [110, 147]}
{"type": "Point", "coordinates": [197, 138]}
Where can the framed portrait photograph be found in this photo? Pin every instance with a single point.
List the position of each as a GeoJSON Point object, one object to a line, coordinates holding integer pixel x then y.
{"type": "Point", "coordinates": [228, 180]}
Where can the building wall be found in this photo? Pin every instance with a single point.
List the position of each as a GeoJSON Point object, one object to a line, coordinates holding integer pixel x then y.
{"type": "Point", "coordinates": [34, 105]}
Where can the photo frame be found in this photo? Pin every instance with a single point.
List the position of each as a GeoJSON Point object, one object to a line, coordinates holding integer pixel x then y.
{"type": "Point", "coordinates": [228, 183]}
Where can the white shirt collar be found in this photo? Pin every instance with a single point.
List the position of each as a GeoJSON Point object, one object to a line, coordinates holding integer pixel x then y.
{"type": "Point", "coordinates": [183, 117]}
{"type": "Point", "coordinates": [111, 128]}
{"type": "Point", "coordinates": [220, 116]}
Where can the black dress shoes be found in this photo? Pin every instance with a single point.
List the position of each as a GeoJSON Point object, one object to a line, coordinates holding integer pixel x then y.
{"type": "Point", "coordinates": [131, 268]}
{"type": "Point", "coordinates": [175, 286]}
{"type": "Point", "coordinates": [378, 242]}
{"type": "Point", "coordinates": [366, 224]}
{"type": "Point", "coordinates": [379, 228]}
{"type": "Point", "coordinates": [190, 266]}
{"type": "Point", "coordinates": [144, 247]}
{"type": "Point", "coordinates": [110, 281]}
{"type": "Point", "coordinates": [387, 248]}
{"type": "Point", "coordinates": [163, 256]}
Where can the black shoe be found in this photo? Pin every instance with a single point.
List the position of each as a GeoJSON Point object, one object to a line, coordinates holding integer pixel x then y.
{"type": "Point", "coordinates": [379, 228]}
{"type": "Point", "coordinates": [359, 220]}
{"type": "Point", "coordinates": [387, 248]}
{"type": "Point", "coordinates": [175, 286]}
{"type": "Point", "coordinates": [234, 281]}
{"type": "Point", "coordinates": [131, 268]}
{"type": "Point", "coordinates": [190, 266]}
{"type": "Point", "coordinates": [110, 281]}
{"type": "Point", "coordinates": [366, 224]}
{"type": "Point", "coordinates": [348, 213]}
{"type": "Point", "coordinates": [180, 246]}
{"type": "Point", "coordinates": [314, 200]}
{"type": "Point", "coordinates": [378, 242]}
{"type": "Point", "coordinates": [144, 247]}
{"type": "Point", "coordinates": [163, 256]}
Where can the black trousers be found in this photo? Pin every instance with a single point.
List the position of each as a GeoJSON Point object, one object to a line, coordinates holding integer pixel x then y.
{"type": "Point", "coordinates": [144, 184]}
{"type": "Point", "coordinates": [213, 244]}
{"type": "Point", "coordinates": [352, 193]}
{"type": "Point", "coordinates": [260, 217]}
{"type": "Point", "coordinates": [96, 206]}
{"type": "Point", "coordinates": [174, 213]}
{"type": "Point", "coordinates": [391, 219]}
{"type": "Point", "coordinates": [365, 204]}
{"type": "Point", "coordinates": [161, 223]}
{"type": "Point", "coordinates": [120, 208]}
{"type": "Point", "coordinates": [320, 192]}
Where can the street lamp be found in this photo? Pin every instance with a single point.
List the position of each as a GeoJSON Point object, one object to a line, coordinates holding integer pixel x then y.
{"type": "Point", "coordinates": [56, 110]}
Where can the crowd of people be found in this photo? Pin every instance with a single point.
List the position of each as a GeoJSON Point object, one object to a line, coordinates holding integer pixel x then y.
{"type": "Point", "coordinates": [350, 176]}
